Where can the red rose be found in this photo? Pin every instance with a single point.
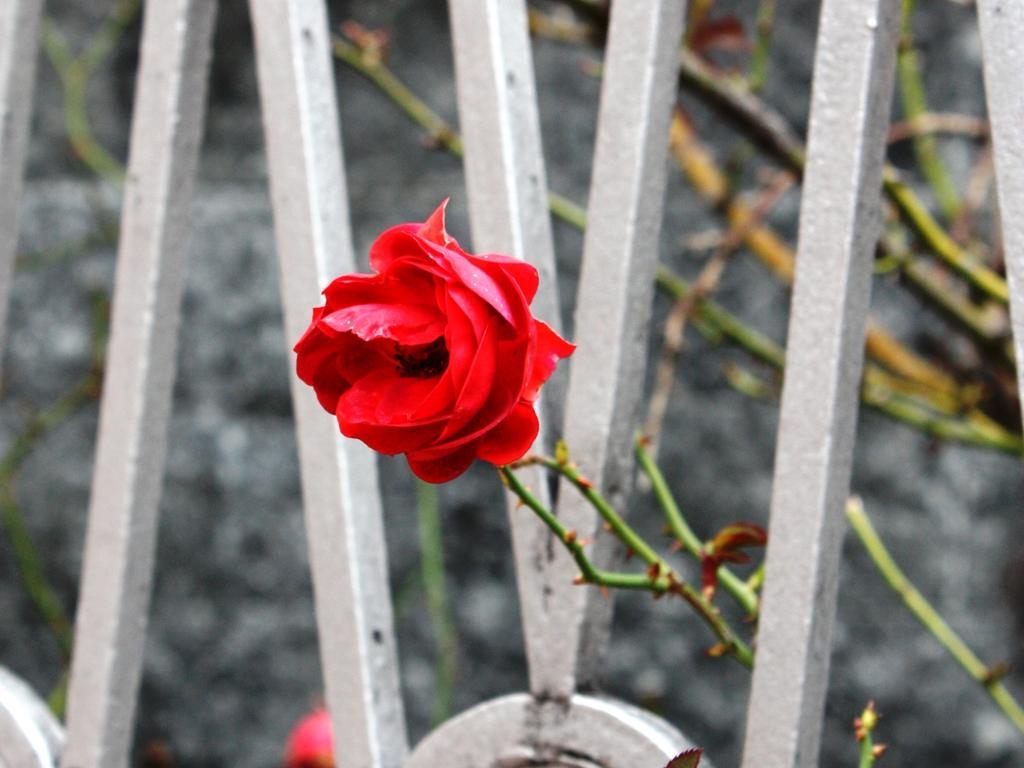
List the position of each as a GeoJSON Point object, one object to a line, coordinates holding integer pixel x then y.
{"type": "Point", "coordinates": [311, 742]}
{"type": "Point", "coordinates": [436, 355]}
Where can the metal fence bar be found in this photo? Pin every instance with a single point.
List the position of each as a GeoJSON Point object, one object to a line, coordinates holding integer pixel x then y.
{"type": "Point", "coordinates": [114, 598]}
{"type": "Point", "coordinates": [1002, 37]}
{"type": "Point", "coordinates": [619, 256]}
{"type": "Point", "coordinates": [839, 223]}
{"type": "Point", "coordinates": [339, 477]}
{"type": "Point", "coordinates": [19, 34]}
{"type": "Point", "coordinates": [505, 177]}
{"type": "Point", "coordinates": [30, 736]}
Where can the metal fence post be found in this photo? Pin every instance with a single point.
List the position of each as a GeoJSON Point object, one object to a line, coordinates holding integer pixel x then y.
{"type": "Point", "coordinates": [114, 597]}
{"type": "Point", "coordinates": [840, 216]}
{"type": "Point", "coordinates": [339, 476]}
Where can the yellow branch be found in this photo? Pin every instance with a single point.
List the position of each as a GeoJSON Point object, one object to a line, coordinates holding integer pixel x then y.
{"type": "Point", "coordinates": [712, 184]}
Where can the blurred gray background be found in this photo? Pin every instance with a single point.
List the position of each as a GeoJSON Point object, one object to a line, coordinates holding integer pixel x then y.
{"type": "Point", "coordinates": [231, 660]}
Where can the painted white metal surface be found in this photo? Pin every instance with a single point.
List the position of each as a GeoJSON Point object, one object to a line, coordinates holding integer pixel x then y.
{"type": "Point", "coordinates": [613, 307]}
{"type": "Point", "coordinates": [517, 731]}
{"type": "Point", "coordinates": [114, 596]}
{"type": "Point", "coordinates": [30, 736]}
{"type": "Point", "coordinates": [509, 213]}
{"type": "Point", "coordinates": [19, 33]}
{"type": "Point", "coordinates": [839, 224]}
{"type": "Point", "coordinates": [1002, 37]}
{"type": "Point", "coordinates": [339, 477]}
{"type": "Point", "coordinates": [508, 206]}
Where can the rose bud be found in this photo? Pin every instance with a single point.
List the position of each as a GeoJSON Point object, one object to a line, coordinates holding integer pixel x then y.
{"type": "Point", "coordinates": [311, 743]}
{"type": "Point", "coordinates": [436, 355]}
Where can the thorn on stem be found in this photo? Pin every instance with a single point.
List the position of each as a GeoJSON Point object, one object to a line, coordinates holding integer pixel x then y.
{"type": "Point", "coordinates": [561, 453]}
{"type": "Point", "coordinates": [995, 673]}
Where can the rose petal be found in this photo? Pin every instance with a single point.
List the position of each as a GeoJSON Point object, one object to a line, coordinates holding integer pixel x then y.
{"type": "Point", "coordinates": [473, 277]}
{"type": "Point", "coordinates": [401, 244]}
{"type": "Point", "coordinates": [409, 281]}
{"type": "Point", "coordinates": [524, 273]}
{"type": "Point", "coordinates": [441, 469]}
{"type": "Point", "coordinates": [379, 410]}
{"type": "Point", "coordinates": [385, 398]}
{"type": "Point", "coordinates": [503, 395]}
{"type": "Point", "coordinates": [437, 404]}
{"type": "Point", "coordinates": [433, 228]}
{"type": "Point", "coordinates": [461, 340]}
{"type": "Point", "coordinates": [471, 306]}
{"type": "Point", "coordinates": [409, 324]}
{"type": "Point", "coordinates": [512, 438]}
{"type": "Point", "coordinates": [479, 382]}
{"type": "Point", "coordinates": [550, 349]}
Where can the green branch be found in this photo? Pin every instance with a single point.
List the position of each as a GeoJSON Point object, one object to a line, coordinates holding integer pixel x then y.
{"type": "Point", "coordinates": [771, 131]}
{"type": "Point", "coordinates": [26, 556]}
{"type": "Point", "coordinates": [432, 570]}
{"type": "Point", "coordinates": [765, 25]}
{"type": "Point", "coordinates": [987, 677]}
{"type": "Point", "coordinates": [864, 729]}
{"type": "Point", "coordinates": [684, 534]}
{"type": "Point", "coordinates": [75, 73]}
{"type": "Point", "coordinates": [915, 104]}
{"type": "Point", "coordinates": [659, 578]}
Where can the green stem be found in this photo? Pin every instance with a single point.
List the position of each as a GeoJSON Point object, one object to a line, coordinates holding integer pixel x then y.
{"type": "Point", "coordinates": [590, 573]}
{"type": "Point", "coordinates": [716, 322]}
{"type": "Point", "coordinates": [57, 701]}
{"type": "Point", "coordinates": [865, 727]}
{"type": "Point", "coordinates": [371, 68]}
{"type": "Point", "coordinates": [756, 580]}
{"type": "Point", "coordinates": [622, 530]}
{"type": "Point", "coordinates": [432, 569]}
{"type": "Point", "coordinates": [732, 584]}
{"type": "Point", "coordinates": [987, 328]}
{"type": "Point", "coordinates": [762, 45]}
{"type": "Point", "coordinates": [75, 73]}
{"type": "Point", "coordinates": [939, 241]}
{"type": "Point", "coordinates": [867, 753]}
{"type": "Point", "coordinates": [915, 104]}
{"type": "Point", "coordinates": [103, 235]}
{"type": "Point", "coordinates": [771, 131]}
{"type": "Point", "coordinates": [929, 617]}
{"type": "Point", "coordinates": [660, 578]}
{"type": "Point", "coordinates": [26, 556]}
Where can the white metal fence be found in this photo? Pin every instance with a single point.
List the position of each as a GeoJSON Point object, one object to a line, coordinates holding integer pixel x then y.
{"type": "Point", "coordinates": [566, 631]}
